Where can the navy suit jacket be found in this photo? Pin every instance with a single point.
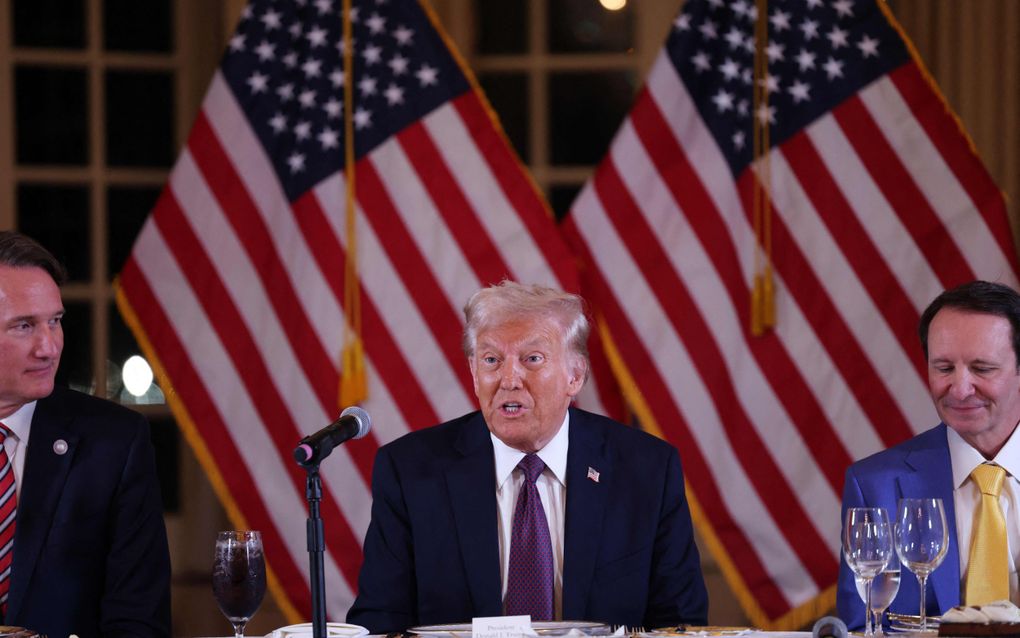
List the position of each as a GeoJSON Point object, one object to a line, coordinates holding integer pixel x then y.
{"type": "Point", "coordinates": [432, 552]}
{"type": "Point", "coordinates": [917, 468]}
{"type": "Point", "coordinates": [90, 547]}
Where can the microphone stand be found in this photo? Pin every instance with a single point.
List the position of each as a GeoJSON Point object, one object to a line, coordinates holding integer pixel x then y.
{"type": "Point", "coordinates": [316, 547]}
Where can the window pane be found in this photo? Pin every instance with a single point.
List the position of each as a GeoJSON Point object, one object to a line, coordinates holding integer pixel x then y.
{"type": "Point", "coordinates": [129, 381]}
{"type": "Point", "coordinates": [502, 26]}
{"type": "Point", "coordinates": [75, 369]}
{"type": "Point", "coordinates": [586, 110]}
{"type": "Point", "coordinates": [139, 118]}
{"type": "Point", "coordinates": [577, 26]}
{"type": "Point", "coordinates": [127, 209]}
{"type": "Point", "coordinates": [165, 438]}
{"type": "Point", "coordinates": [508, 93]}
{"type": "Point", "coordinates": [49, 23]}
{"type": "Point", "coordinates": [130, 25]}
{"type": "Point", "coordinates": [560, 198]}
{"type": "Point", "coordinates": [57, 216]}
{"type": "Point", "coordinates": [51, 115]}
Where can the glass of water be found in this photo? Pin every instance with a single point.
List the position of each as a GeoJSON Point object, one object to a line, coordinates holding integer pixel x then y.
{"type": "Point", "coordinates": [867, 548]}
{"type": "Point", "coordinates": [883, 590]}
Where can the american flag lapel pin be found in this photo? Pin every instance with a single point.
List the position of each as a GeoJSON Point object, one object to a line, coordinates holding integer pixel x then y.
{"type": "Point", "coordinates": [593, 474]}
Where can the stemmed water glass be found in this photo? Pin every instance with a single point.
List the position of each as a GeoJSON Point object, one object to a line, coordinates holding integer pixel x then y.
{"type": "Point", "coordinates": [867, 547]}
{"type": "Point", "coordinates": [239, 577]}
{"type": "Point", "coordinates": [883, 590]}
{"type": "Point", "coordinates": [922, 539]}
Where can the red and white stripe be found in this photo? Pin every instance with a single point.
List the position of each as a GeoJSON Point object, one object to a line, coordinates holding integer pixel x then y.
{"type": "Point", "coordinates": [8, 515]}
{"type": "Point", "coordinates": [239, 292]}
{"type": "Point", "coordinates": [877, 207]}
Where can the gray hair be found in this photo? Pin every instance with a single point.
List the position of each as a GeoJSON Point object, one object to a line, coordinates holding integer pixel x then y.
{"type": "Point", "coordinates": [509, 300]}
{"type": "Point", "coordinates": [21, 251]}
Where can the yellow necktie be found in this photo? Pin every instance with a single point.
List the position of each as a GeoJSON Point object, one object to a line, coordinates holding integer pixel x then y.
{"type": "Point", "coordinates": [988, 571]}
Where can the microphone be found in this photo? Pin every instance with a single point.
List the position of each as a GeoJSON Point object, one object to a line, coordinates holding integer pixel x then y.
{"type": "Point", "coordinates": [353, 423]}
{"type": "Point", "coordinates": [829, 627]}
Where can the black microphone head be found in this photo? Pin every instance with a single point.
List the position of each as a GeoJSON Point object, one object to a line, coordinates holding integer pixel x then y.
{"type": "Point", "coordinates": [829, 627]}
{"type": "Point", "coordinates": [364, 421]}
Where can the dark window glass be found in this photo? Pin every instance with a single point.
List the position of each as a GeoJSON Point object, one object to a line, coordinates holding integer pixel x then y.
{"type": "Point", "coordinates": [130, 25]}
{"type": "Point", "coordinates": [561, 197]}
{"type": "Point", "coordinates": [502, 26]}
{"type": "Point", "coordinates": [75, 369]}
{"type": "Point", "coordinates": [49, 23]}
{"type": "Point", "coordinates": [123, 347]}
{"type": "Point", "coordinates": [127, 209]}
{"type": "Point", "coordinates": [578, 26]}
{"type": "Point", "coordinates": [508, 93]}
{"type": "Point", "coordinates": [139, 118]}
{"type": "Point", "coordinates": [165, 438]}
{"type": "Point", "coordinates": [57, 216]}
{"type": "Point", "coordinates": [586, 110]}
{"type": "Point", "coordinates": [51, 115]}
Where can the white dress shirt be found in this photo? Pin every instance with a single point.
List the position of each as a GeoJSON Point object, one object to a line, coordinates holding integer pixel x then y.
{"type": "Point", "coordinates": [20, 425]}
{"type": "Point", "coordinates": [552, 490]}
{"type": "Point", "coordinates": [967, 498]}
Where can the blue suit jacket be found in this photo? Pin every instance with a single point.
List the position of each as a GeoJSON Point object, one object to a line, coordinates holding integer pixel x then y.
{"type": "Point", "coordinates": [432, 551]}
{"type": "Point", "coordinates": [90, 547]}
{"type": "Point", "coordinates": [917, 468]}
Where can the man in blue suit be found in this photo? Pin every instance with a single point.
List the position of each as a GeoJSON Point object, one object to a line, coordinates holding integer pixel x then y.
{"type": "Point", "coordinates": [441, 544]}
{"type": "Point", "coordinates": [971, 340]}
{"type": "Point", "coordinates": [86, 551]}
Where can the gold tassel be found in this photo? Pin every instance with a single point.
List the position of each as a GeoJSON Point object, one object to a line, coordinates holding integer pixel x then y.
{"type": "Point", "coordinates": [763, 295]}
{"type": "Point", "coordinates": [757, 327]}
{"type": "Point", "coordinates": [353, 382]}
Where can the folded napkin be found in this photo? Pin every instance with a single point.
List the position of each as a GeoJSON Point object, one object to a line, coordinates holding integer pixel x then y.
{"type": "Point", "coordinates": [304, 630]}
{"type": "Point", "coordinates": [999, 611]}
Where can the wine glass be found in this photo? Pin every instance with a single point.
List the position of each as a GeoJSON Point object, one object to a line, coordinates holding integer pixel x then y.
{"type": "Point", "coordinates": [883, 590]}
{"type": "Point", "coordinates": [239, 576]}
{"type": "Point", "coordinates": [922, 539]}
{"type": "Point", "coordinates": [867, 547]}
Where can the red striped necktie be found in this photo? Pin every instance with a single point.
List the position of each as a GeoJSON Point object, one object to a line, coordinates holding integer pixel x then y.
{"type": "Point", "coordinates": [8, 510]}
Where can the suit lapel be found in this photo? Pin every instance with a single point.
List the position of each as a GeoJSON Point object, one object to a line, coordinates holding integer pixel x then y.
{"type": "Point", "coordinates": [470, 482]}
{"type": "Point", "coordinates": [586, 505]}
{"type": "Point", "coordinates": [45, 473]}
{"type": "Point", "coordinates": [932, 477]}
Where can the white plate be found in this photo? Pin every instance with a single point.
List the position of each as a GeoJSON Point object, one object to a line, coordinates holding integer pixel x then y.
{"type": "Point", "coordinates": [304, 630]}
{"type": "Point", "coordinates": [540, 627]}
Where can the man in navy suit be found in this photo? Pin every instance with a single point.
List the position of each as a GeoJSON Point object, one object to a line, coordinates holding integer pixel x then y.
{"type": "Point", "coordinates": [441, 540]}
{"type": "Point", "coordinates": [971, 340]}
{"type": "Point", "coordinates": [89, 553]}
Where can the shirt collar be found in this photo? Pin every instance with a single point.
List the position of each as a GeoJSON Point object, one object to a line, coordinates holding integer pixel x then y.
{"type": "Point", "coordinates": [21, 421]}
{"type": "Point", "coordinates": [965, 458]}
{"type": "Point", "coordinates": [554, 455]}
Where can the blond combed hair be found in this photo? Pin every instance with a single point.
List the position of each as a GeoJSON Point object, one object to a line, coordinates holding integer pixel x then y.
{"type": "Point", "coordinates": [509, 300]}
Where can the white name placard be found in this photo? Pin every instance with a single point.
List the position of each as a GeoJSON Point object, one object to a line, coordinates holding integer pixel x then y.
{"type": "Point", "coordinates": [501, 627]}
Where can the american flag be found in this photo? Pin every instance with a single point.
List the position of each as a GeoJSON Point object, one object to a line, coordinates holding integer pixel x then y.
{"type": "Point", "coordinates": [878, 204]}
{"type": "Point", "coordinates": [235, 286]}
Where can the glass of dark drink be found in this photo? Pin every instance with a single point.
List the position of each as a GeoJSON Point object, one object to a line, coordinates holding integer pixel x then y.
{"type": "Point", "coordinates": [239, 576]}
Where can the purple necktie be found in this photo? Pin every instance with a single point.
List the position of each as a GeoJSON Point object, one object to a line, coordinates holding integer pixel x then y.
{"type": "Point", "coordinates": [529, 583]}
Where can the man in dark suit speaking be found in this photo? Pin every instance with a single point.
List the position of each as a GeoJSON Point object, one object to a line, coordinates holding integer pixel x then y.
{"type": "Point", "coordinates": [83, 546]}
{"type": "Point", "coordinates": [528, 506]}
